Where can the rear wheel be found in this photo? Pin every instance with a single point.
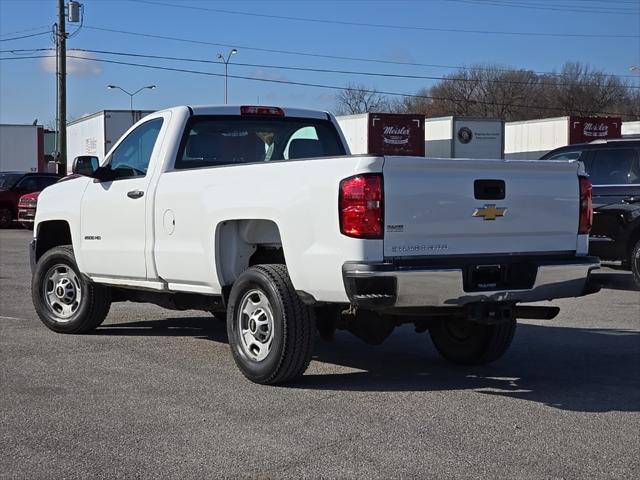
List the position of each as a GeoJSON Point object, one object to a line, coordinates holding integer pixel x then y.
{"type": "Point", "coordinates": [270, 329]}
{"type": "Point", "coordinates": [635, 263]}
{"type": "Point", "coordinates": [63, 299]}
{"type": "Point", "coordinates": [6, 217]}
{"type": "Point", "coordinates": [468, 343]}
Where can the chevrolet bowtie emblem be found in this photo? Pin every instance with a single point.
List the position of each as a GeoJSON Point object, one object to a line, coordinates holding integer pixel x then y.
{"type": "Point", "coordinates": [490, 212]}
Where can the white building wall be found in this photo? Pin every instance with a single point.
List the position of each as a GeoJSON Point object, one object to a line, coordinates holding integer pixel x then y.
{"type": "Point", "coordinates": [533, 138]}
{"type": "Point", "coordinates": [437, 137]}
{"type": "Point", "coordinates": [630, 128]}
{"type": "Point", "coordinates": [355, 129]}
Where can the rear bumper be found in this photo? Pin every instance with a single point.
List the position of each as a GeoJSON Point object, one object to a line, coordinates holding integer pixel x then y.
{"type": "Point", "coordinates": [445, 283]}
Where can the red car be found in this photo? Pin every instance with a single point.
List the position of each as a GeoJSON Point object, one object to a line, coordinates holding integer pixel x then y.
{"type": "Point", "coordinates": [14, 185]}
{"type": "Point", "coordinates": [27, 209]}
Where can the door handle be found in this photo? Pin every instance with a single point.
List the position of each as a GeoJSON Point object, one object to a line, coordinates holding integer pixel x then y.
{"type": "Point", "coordinates": [135, 194]}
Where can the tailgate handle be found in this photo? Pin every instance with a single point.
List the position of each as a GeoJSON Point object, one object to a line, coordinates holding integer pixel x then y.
{"type": "Point", "coordinates": [489, 189]}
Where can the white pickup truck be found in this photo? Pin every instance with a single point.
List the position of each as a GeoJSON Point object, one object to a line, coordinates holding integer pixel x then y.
{"type": "Point", "coordinates": [260, 216]}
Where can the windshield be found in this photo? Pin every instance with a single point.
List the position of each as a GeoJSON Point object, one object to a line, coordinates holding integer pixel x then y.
{"type": "Point", "coordinates": [8, 180]}
{"type": "Point", "coordinates": [217, 141]}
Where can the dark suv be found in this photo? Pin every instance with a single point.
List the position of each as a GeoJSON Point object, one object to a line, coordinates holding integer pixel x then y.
{"type": "Point", "coordinates": [15, 184]}
{"type": "Point", "coordinates": [614, 169]}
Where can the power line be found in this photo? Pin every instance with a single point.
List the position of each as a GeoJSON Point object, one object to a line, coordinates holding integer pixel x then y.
{"type": "Point", "coordinates": [555, 7]}
{"type": "Point", "coordinates": [25, 36]}
{"type": "Point", "coordinates": [6, 34]}
{"type": "Point", "coordinates": [322, 70]}
{"type": "Point", "coordinates": [312, 55]}
{"type": "Point", "coordinates": [308, 84]}
{"type": "Point", "coordinates": [379, 25]}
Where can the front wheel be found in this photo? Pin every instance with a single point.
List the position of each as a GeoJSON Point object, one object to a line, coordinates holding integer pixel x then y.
{"type": "Point", "coordinates": [63, 299]}
{"type": "Point", "coordinates": [468, 343]}
{"type": "Point", "coordinates": [6, 217]}
{"type": "Point", "coordinates": [270, 329]}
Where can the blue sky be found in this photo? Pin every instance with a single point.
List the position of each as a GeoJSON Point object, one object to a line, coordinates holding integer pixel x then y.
{"type": "Point", "coordinates": [27, 87]}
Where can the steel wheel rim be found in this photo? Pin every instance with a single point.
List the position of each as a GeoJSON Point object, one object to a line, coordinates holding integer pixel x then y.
{"type": "Point", "coordinates": [255, 325]}
{"type": "Point", "coordinates": [62, 291]}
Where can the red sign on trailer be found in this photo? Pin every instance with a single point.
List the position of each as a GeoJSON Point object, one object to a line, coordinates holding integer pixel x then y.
{"type": "Point", "coordinates": [587, 129]}
{"type": "Point", "coordinates": [396, 134]}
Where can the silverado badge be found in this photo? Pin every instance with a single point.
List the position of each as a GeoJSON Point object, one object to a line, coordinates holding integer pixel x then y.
{"type": "Point", "coordinates": [490, 212]}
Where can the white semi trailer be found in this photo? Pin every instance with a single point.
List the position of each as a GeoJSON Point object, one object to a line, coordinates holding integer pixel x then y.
{"type": "Point", "coordinates": [21, 148]}
{"type": "Point", "coordinates": [95, 134]}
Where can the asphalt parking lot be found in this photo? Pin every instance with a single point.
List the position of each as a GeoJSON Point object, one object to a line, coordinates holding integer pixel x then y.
{"type": "Point", "coordinates": [155, 394]}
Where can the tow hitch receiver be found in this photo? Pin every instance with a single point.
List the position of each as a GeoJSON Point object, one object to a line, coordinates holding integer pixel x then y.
{"type": "Point", "coordinates": [490, 313]}
{"type": "Point", "coordinates": [494, 313]}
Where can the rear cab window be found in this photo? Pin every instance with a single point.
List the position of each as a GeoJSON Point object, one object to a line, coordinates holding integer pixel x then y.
{"type": "Point", "coordinates": [569, 155]}
{"type": "Point", "coordinates": [212, 141]}
{"type": "Point", "coordinates": [614, 166]}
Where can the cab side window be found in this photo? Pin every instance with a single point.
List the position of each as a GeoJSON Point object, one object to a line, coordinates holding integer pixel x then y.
{"type": "Point", "coordinates": [27, 184]}
{"type": "Point", "coordinates": [131, 158]}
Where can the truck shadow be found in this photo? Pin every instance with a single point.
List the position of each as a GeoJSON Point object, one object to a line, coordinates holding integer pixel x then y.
{"type": "Point", "coordinates": [578, 369]}
{"type": "Point", "coordinates": [615, 280]}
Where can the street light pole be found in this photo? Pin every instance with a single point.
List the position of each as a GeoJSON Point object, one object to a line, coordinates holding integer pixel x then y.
{"type": "Point", "coordinates": [131, 95]}
{"type": "Point", "coordinates": [233, 51]}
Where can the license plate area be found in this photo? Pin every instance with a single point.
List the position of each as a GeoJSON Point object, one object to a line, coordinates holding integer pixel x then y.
{"type": "Point", "coordinates": [504, 276]}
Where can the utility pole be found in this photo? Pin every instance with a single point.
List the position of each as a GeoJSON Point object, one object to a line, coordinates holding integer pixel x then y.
{"type": "Point", "coordinates": [61, 55]}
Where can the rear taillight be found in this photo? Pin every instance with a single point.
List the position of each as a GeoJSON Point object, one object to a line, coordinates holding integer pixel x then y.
{"type": "Point", "coordinates": [360, 206]}
{"type": "Point", "coordinates": [586, 206]}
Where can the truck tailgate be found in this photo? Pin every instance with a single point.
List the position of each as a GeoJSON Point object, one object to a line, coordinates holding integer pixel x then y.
{"type": "Point", "coordinates": [456, 206]}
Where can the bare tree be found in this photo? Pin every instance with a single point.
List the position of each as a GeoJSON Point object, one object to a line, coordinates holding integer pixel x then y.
{"type": "Point", "coordinates": [358, 98]}
{"type": "Point", "coordinates": [494, 91]}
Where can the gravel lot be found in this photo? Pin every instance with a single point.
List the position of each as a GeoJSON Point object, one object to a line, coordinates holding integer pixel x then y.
{"type": "Point", "coordinates": [155, 394]}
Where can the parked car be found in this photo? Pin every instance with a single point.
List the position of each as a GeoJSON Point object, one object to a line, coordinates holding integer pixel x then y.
{"type": "Point", "coordinates": [27, 209]}
{"type": "Point", "coordinates": [614, 169]}
{"type": "Point", "coordinates": [14, 185]}
{"type": "Point", "coordinates": [261, 211]}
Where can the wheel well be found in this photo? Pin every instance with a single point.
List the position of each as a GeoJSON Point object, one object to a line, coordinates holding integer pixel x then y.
{"type": "Point", "coordinates": [243, 243]}
{"type": "Point", "coordinates": [633, 238]}
{"type": "Point", "coordinates": [52, 234]}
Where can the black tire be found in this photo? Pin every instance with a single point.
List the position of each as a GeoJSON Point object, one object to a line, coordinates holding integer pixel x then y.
{"type": "Point", "coordinates": [6, 217]}
{"type": "Point", "coordinates": [88, 309]}
{"type": "Point", "coordinates": [292, 326]}
{"type": "Point", "coordinates": [635, 263]}
{"type": "Point", "coordinates": [468, 343]}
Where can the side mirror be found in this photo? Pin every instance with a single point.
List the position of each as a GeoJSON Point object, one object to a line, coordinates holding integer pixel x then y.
{"type": "Point", "coordinates": [85, 165]}
{"type": "Point", "coordinates": [89, 166]}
